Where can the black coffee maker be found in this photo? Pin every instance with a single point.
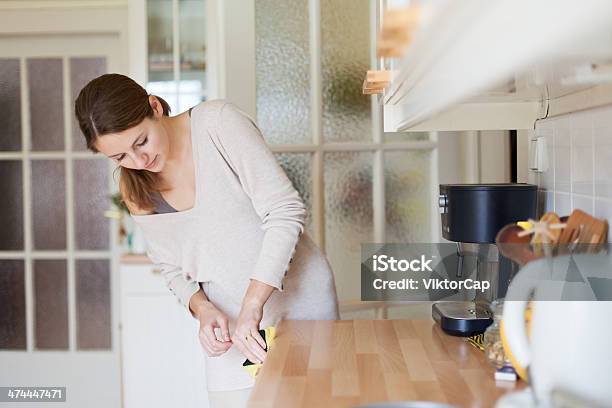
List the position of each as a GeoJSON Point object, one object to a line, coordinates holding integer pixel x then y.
{"type": "Point", "coordinates": [472, 214]}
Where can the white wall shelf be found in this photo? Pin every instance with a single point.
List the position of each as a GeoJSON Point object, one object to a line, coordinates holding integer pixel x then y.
{"type": "Point", "coordinates": [468, 116]}
{"type": "Point", "coordinates": [469, 47]}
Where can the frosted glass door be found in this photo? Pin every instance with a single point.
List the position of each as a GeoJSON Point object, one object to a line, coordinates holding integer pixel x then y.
{"type": "Point", "coordinates": [359, 184]}
{"type": "Point", "coordinates": [59, 325]}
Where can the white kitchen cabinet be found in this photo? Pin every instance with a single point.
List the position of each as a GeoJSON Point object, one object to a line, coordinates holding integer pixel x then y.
{"type": "Point", "coordinates": [482, 65]}
{"type": "Point", "coordinates": [162, 359]}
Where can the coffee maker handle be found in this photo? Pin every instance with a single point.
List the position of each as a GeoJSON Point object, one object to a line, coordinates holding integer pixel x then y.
{"type": "Point", "coordinates": [515, 306]}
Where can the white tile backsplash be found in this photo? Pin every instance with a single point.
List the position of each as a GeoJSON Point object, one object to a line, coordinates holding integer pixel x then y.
{"type": "Point", "coordinates": [582, 160]}
{"type": "Point", "coordinates": [579, 147]}
{"type": "Point", "coordinates": [582, 202]}
{"type": "Point", "coordinates": [549, 201]}
{"type": "Point", "coordinates": [563, 203]}
{"type": "Point", "coordinates": [562, 156]}
{"type": "Point", "coordinates": [603, 209]}
{"type": "Point", "coordinates": [602, 152]}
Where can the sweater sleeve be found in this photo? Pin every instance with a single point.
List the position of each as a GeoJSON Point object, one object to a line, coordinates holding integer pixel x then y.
{"type": "Point", "coordinates": [272, 194]}
{"type": "Point", "coordinates": [181, 285]}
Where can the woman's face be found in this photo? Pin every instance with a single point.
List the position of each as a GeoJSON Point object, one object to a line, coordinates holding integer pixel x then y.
{"type": "Point", "coordinates": [142, 147]}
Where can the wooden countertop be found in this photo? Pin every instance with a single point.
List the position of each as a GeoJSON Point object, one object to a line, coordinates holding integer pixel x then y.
{"type": "Point", "coordinates": [344, 363]}
{"type": "Point", "coordinates": [129, 258]}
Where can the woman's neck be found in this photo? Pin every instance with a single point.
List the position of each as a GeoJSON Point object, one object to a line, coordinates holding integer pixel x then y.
{"type": "Point", "coordinates": [179, 137]}
{"type": "Point", "coordinates": [178, 129]}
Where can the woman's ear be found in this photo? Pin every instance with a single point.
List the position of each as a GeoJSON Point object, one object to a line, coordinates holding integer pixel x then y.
{"type": "Point", "coordinates": [156, 105]}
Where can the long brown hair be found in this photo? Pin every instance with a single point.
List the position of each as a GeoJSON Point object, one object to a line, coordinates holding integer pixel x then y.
{"type": "Point", "coordinates": [112, 103]}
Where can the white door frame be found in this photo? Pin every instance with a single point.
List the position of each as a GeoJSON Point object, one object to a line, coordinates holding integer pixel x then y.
{"type": "Point", "coordinates": [64, 29]}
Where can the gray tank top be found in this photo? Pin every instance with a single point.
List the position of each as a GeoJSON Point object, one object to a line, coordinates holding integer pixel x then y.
{"type": "Point", "coordinates": [161, 205]}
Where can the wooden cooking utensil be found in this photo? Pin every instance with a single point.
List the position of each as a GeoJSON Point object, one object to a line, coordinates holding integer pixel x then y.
{"type": "Point", "coordinates": [594, 235]}
{"type": "Point", "coordinates": [576, 223]}
{"type": "Point", "coordinates": [513, 246]}
{"type": "Point", "coordinates": [550, 239]}
{"type": "Point", "coordinates": [583, 229]}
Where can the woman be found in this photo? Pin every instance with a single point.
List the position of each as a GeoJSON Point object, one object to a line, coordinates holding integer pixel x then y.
{"type": "Point", "coordinates": [218, 214]}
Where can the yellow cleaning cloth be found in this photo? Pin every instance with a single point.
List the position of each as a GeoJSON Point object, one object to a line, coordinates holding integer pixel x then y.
{"type": "Point", "coordinates": [268, 334]}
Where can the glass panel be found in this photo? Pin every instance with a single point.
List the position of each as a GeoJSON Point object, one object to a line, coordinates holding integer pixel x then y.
{"type": "Point", "coordinates": [91, 200]}
{"type": "Point", "coordinates": [348, 216]}
{"type": "Point", "coordinates": [49, 204]}
{"type": "Point", "coordinates": [51, 309]}
{"type": "Point", "coordinates": [298, 169]}
{"type": "Point", "coordinates": [283, 70]}
{"type": "Point", "coordinates": [82, 70]}
{"type": "Point", "coordinates": [10, 105]}
{"type": "Point", "coordinates": [192, 36]}
{"type": "Point", "coordinates": [11, 205]}
{"type": "Point", "coordinates": [408, 196]}
{"type": "Point", "coordinates": [12, 299]}
{"type": "Point", "coordinates": [405, 136]}
{"type": "Point", "coordinates": [93, 304]}
{"type": "Point", "coordinates": [159, 26]}
{"type": "Point", "coordinates": [46, 83]}
{"type": "Point", "coordinates": [345, 58]}
{"type": "Point", "coordinates": [161, 72]}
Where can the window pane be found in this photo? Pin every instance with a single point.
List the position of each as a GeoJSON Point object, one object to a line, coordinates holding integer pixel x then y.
{"type": "Point", "coordinates": [82, 70]}
{"type": "Point", "coordinates": [91, 199]}
{"type": "Point", "coordinates": [93, 304]}
{"type": "Point", "coordinates": [49, 204]}
{"type": "Point", "coordinates": [10, 105]}
{"type": "Point", "coordinates": [51, 310]}
{"type": "Point", "coordinates": [12, 299]}
{"type": "Point", "coordinates": [46, 87]}
{"type": "Point", "coordinates": [298, 169]}
{"type": "Point", "coordinates": [192, 27]}
{"type": "Point", "coordinates": [283, 70]}
{"type": "Point", "coordinates": [345, 58]}
{"type": "Point", "coordinates": [161, 81]}
{"type": "Point", "coordinates": [408, 196]}
{"type": "Point", "coordinates": [348, 216]}
{"type": "Point", "coordinates": [159, 27]}
{"type": "Point", "coordinates": [11, 205]}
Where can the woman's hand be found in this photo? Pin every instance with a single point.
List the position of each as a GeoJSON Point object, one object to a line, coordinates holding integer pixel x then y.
{"type": "Point", "coordinates": [210, 318]}
{"type": "Point", "coordinates": [247, 337]}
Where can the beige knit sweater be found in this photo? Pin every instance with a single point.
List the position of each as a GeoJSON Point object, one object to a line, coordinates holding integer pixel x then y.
{"type": "Point", "coordinates": [247, 222]}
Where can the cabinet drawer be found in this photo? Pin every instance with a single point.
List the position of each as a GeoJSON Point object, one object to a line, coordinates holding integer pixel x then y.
{"type": "Point", "coordinates": [142, 279]}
